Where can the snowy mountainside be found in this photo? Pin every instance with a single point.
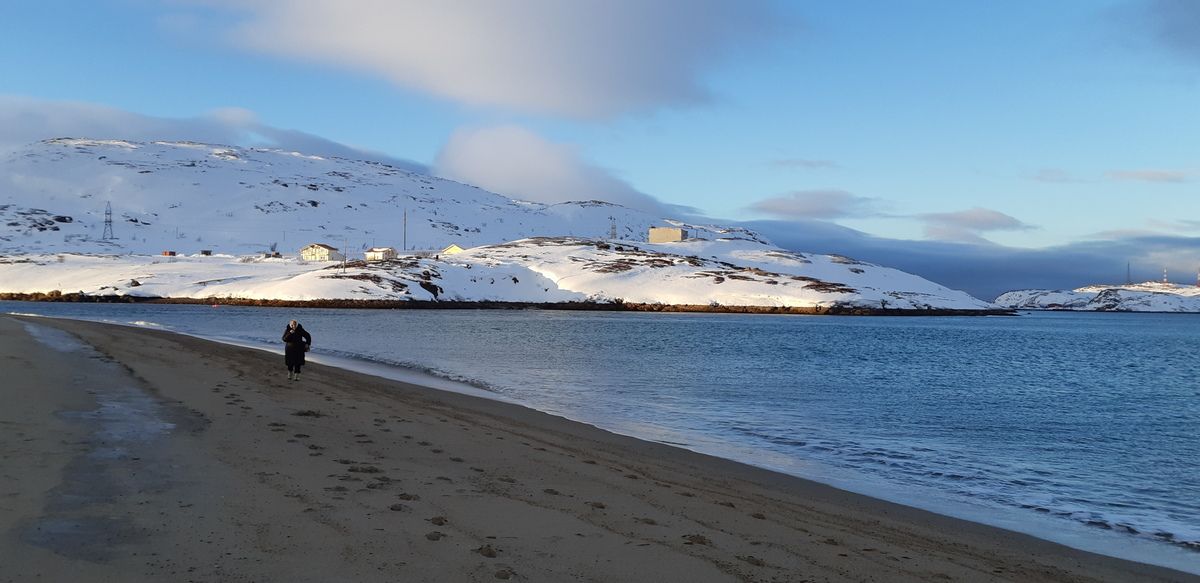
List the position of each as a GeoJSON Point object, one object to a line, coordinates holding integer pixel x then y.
{"type": "Point", "coordinates": [185, 196]}
{"type": "Point", "coordinates": [1150, 296]}
{"type": "Point", "coordinates": [563, 269]}
{"type": "Point", "coordinates": [240, 202]}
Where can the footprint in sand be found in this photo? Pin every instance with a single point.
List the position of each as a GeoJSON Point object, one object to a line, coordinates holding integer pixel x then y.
{"type": "Point", "coordinates": [759, 516]}
{"type": "Point", "coordinates": [438, 520]}
{"type": "Point", "coordinates": [598, 505]}
{"type": "Point", "coordinates": [436, 450]}
{"type": "Point", "coordinates": [505, 574]}
{"type": "Point", "coordinates": [649, 521]}
{"type": "Point", "coordinates": [302, 436]}
{"type": "Point", "coordinates": [424, 443]}
{"type": "Point", "coordinates": [753, 560]}
{"type": "Point", "coordinates": [488, 551]}
{"type": "Point", "coordinates": [435, 535]}
{"type": "Point", "coordinates": [397, 507]}
{"type": "Point", "coordinates": [408, 497]}
{"type": "Point", "coordinates": [726, 504]}
{"type": "Point", "coordinates": [457, 459]}
{"type": "Point", "coordinates": [551, 491]}
{"type": "Point", "coordinates": [696, 539]}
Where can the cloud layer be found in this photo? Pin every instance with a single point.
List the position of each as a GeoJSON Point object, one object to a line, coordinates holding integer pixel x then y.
{"type": "Point", "coordinates": [1175, 24]}
{"type": "Point", "coordinates": [969, 225]}
{"type": "Point", "coordinates": [986, 271]}
{"type": "Point", "coordinates": [516, 162]}
{"type": "Point", "coordinates": [26, 120]}
{"type": "Point", "coordinates": [815, 204]}
{"type": "Point", "coordinates": [583, 58]}
{"type": "Point", "coordinates": [1175, 176]}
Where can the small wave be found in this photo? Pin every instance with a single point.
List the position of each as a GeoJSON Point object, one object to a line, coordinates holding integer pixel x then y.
{"type": "Point", "coordinates": [145, 324]}
{"type": "Point", "coordinates": [418, 368]}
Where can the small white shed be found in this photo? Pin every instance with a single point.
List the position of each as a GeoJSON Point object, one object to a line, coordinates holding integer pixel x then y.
{"type": "Point", "coordinates": [380, 253]}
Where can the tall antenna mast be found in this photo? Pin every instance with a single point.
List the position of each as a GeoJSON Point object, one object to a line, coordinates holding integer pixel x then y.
{"type": "Point", "coordinates": [1128, 275]}
{"type": "Point", "coordinates": [1165, 275]}
{"type": "Point", "coordinates": [404, 245]}
{"type": "Point", "coordinates": [108, 234]}
{"type": "Point", "coordinates": [612, 229]}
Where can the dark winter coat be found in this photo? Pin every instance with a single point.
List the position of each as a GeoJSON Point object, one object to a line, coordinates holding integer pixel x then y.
{"type": "Point", "coordinates": [296, 342]}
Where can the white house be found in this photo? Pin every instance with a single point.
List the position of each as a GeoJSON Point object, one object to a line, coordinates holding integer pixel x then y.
{"type": "Point", "coordinates": [667, 234]}
{"type": "Point", "coordinates": [380, 253]}
{"type": "Point", "coordinates": [320, 252]}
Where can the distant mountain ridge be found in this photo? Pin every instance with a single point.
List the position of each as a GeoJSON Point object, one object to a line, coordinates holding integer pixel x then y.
{"type": "Point", "coordinates": [1149, 296]}
{"type": "Point", "coordinates": [240, 202]}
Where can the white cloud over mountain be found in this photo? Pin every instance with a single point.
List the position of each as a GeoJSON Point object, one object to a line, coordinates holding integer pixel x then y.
{"type": "Point", "coordinates": [516, 162]}
{"type": "Point", "coordinates": [581, 59]}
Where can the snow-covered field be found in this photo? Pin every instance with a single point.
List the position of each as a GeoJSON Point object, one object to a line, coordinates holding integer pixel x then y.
{"type": "Point", "coordinates": [1139, 297]}
{"type": "Point", "coordinates": [240, 203]}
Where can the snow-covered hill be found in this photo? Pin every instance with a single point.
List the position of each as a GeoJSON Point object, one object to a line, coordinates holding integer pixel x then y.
{"type": "Point", "coordinates": [241, 202]}
{"type": "Point", "coordinates": [1140, 297]}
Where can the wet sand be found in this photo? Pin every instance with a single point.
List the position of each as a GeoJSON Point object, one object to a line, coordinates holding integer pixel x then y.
{"type": "Point", "coordinates": [138, 455]}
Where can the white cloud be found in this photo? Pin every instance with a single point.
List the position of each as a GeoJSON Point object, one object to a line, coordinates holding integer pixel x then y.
{"type": "Point", "coordinates": [816, 204]}
{"type": "Point", "coordinates": [804, 163]}
{"type": "Point", "coordinates": [968, 225]}
{"type": "Point", "coordinates": [576, 58]}
{"type": "Point", "coordinates": [24, 120]}
{"type": "Point", "coordinates": [516, 162]}
{"type": "Point", "coordinates": [1147, 175]}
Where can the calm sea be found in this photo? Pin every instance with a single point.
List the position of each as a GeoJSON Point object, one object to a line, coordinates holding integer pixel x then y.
{"type": "Point", "coordinates": [1080, 428]}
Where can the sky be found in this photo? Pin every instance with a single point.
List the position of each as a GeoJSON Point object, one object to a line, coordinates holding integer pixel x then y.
{"type": "Point", "coordinates": [988, 145]}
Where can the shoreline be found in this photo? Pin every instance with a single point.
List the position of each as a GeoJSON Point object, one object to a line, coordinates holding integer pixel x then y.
{"type": "Point", "coordinates": [58, 297]}
{"type": "Point", "coordinates": [791, 539]}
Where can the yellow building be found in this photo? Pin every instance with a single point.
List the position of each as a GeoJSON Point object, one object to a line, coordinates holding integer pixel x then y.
{"type": "Point", "coordinates": [452, 249]}
{"type": "Point", "coordinates": [667, 234]}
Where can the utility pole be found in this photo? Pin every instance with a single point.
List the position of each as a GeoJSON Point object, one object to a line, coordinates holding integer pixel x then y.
{"type": "Point", "coordinates": [1165, 275]}
{"type": "Point", "coordinates": [404, 244]}
{"type": "Point", "coordinates": [1128, 276]}
{"type": "Point", "coordinates": [612, 229]}
{"type": "Point", "coordinates": [108, 234]}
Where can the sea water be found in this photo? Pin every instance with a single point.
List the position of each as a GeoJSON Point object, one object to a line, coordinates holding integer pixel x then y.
{"type": "Point", "coordinates": [1082, 428]}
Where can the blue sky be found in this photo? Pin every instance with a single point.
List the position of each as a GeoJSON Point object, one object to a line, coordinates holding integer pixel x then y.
{"type": "Point", "coordinates": [985, 129]}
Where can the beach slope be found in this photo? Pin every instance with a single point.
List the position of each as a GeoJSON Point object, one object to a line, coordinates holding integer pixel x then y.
{"type": "Point", "coordinates": [131, 454]}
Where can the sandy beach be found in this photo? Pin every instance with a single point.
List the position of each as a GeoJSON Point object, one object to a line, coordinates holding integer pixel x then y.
{"type": "Point", "coordinates": [139, 455]}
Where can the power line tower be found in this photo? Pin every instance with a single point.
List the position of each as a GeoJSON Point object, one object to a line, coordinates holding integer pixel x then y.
{"type": "Point", "coordinates": [612, 228]}
{"type": "Point", "coordinates": [108, 234]}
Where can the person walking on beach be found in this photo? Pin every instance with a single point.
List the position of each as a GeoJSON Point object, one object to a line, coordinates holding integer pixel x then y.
{"type": "Point", "coordinates": [296, 341]}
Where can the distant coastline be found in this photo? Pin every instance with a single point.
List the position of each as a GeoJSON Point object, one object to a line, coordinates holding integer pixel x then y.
{"type": "Point", "coordinates": [498, 305]}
